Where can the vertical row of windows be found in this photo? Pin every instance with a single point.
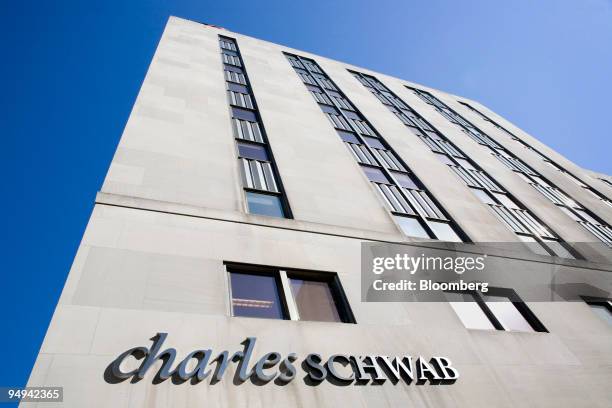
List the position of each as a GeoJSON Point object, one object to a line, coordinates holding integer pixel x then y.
{"type": "Point", "coordinates": [415, 211]}
{"type": "Point", "coordinates": [514, 215]}
{"type": "Point", "coordinates": [574, 210]}
{"type": "Point", "coordinates": [260, 178]}
{"type": "Point", "coordinates": [546, 160]}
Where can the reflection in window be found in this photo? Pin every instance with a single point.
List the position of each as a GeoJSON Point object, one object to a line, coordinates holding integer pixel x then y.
{"type": "Point", "coordinates": [255, 296]}
{"type": "Point", "coordinates": [264, 204]}
{"type": "Point", "coordinates": [314, 300]}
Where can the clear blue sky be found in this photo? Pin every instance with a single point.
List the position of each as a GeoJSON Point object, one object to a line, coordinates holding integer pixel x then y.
{"type": "Point", "coordinates": [71, 72]}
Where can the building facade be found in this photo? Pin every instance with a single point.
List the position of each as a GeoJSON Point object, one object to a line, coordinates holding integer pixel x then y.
{"type": "Point", "coordinates": [244, 184]}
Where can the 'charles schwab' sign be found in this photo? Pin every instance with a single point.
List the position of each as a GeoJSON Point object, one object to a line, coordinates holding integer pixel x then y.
{"type": "Point", "coordinates": [337, 369]}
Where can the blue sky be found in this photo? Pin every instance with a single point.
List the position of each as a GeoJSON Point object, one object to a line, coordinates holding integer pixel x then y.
{"type": "Point", "coordinates": [71, 72]}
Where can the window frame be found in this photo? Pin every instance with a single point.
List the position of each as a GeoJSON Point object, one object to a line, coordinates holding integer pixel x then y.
{"type": "Point", "coordinates": [283, 278]}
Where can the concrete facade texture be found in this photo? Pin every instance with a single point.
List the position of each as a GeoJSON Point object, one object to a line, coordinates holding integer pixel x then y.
{"type": "Point", "coordinates": [172, 210]}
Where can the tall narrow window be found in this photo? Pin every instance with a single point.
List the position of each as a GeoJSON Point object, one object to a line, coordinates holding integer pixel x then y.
{"type": "Point", "coordinates": [576, 211]}
{"type": "Point", "coordinates": [528, 228]}
{"type": "Point", "coordinates": [546, 159]}
{"type": "Point", "coordinates": [262, 185]}
{"type": "Point", "coordinates": [415, 211]}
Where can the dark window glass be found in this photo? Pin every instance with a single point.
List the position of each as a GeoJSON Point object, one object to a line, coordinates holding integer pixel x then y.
{"type": "Point", "coordinates": [252, 151]}
{"type": "Point", "coordinates": [329, 109]}
{"type": "Point", "coordinates": [351, 115]}
{"type": "Point", "coordinates": [232, 68]}
{"type": "Point", "coordinates": [405, 180]}
{"type": "Point", "coordinates": [348, 137]}
{"type": "Point", "coordinates": [237, 88]}
{"type": "Point", "coordinates": [313, 88]}
{"type": "Point", "coordinates": [255, 296]}
{"type": "Point", "coordinates": [373, 142]}
{"type": "Point", "coordinates": [265, 204]}
{"type": "Point", "coordinates": [375, 174]}
{"type": "Point", "coordinates": [244, 115]}
{"type": "Point", "coordinates": [314, 300]}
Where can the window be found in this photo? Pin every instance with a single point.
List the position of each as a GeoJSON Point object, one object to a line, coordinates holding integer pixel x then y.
{"type": "Point", "coordinates": [252, 151]}
{"type": "Point", "coordinates": [533, 244]}
{"type": "Point", "coordinates": [274, 293]}
{"type": "Point", "coordinates": [260, 179]}
{"type": "Point", "coordinates": [238, 95]}
{"type": "Point", "coordinates": [498, 309]}
{"type": "Point", "coordinates": [558, 248]}
{"type": "Point", "coordinates": [265, 204]}
{"type": "Point", "coordinates": [505, 200]}
{"type": "Point", "coordinates": [444, 231]}
{"type": "Point", "coordinates": [348, 137]}
{"type": "Point", "coordinates": [466, 164]}
{"type": "Point", "coordinates": [405, 180]}
{"type": "Point", "coordinates": [314, 300]}
{"type": "Point", "coordinates": [445, 159]}
{"type": "Point", "coordinates": [375, 174]}
{"type": "Point", "coordinates": [256, 296]}
{"type": "Point", "coordinates": [472, 315]}
{"type": "Point", "coordinates": [601, 307]}
{"type": "Point", "coordinates": [507, 314]}
{"type": "Point", "coordinates": [234, 74]}
{"type": "Point", "coordinates": [412, 227]}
